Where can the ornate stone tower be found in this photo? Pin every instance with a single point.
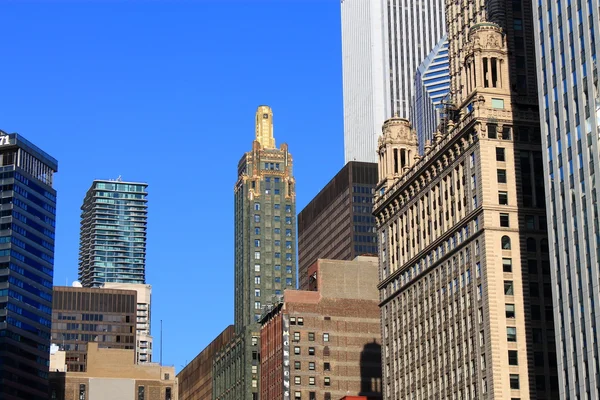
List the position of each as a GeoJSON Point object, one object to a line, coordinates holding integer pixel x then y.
{"type": "Point", "coordinates": [397, 150]}
{"type": "Point", "coordinates": [264, 127]}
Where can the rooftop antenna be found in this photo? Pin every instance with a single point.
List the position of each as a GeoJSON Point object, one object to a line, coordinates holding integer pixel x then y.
{"type": "Point", "coordinates": [119, 179]}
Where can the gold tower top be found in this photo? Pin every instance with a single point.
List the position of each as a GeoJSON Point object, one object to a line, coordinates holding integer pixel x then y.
{"type": "Point", "coordinates": [264, 127]}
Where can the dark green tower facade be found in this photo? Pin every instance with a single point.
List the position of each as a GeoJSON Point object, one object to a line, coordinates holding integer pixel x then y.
{"type": "Point", "coordinates": [265, 254]}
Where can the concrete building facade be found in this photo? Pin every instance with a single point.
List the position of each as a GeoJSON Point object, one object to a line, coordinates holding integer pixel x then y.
{"type": "Point", "coordinates": [28, 212]}
{"type": "Point", "coordinates": [112, 245]}
{"type": "Point", "coordinates": [464, 279]}
{"type": "Point", "coordinates": [570, 94]}
{"type": "Point", "coordinates": [383, 43]}
{"type": "Point", "coordinates": [113, 374]}
{"type": "Point", "coordinates": [195, 381]}
{"type": "Point", "coordinates": [325, 343]}
{"type": "Point", "coordinates": [144, 339]}
{"type": "Point", "coordinates": [338, 222]}
{"type": "Point", "coordinates": [82, 315]}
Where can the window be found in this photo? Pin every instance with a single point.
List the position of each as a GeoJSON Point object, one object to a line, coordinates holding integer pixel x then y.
{"type": "Point", "coordinates": [278, 268]}
{"type": "Point", "coordinates": [288, 232]}
{"type": "Point", "coordinates": [503, 198]}
{"type": "Point", "coordinates": [296, 349]}
{"type": "Point", "coordinates": [297, 395]}
{"type": "Point", "coordinates": [296, 336]}
{"type": "Point", "coordinates": [277, 218]}
{"type": "Point", "coordinates": [297, 380]}
{"type": "Point", "coordinates": [257, 305]}
{"type": "Point", "coordinates": [311, 366]}
{"type": "Point", "coordinates": [504, 220]}
{"type": "Point", "coordinates": [327, 381]}
{"type": "Point", "coordinates": [168, 393]}
{"type": "Point", "coordinates": [254, 383]}
{"type": "Point", "coordinates": [276, 206]}
{"type": "Point", "coordinates": [311, 336]}
{"type": "Point", "coordinates": [256, 267]}
{"type": "Point", "coordinates": [300, 321]}
{"type": "Point", "coordinates": [311, 380]}
{"type": "Point", "coordinates": [514, 381]}
{"type": "Point", "coordinates": [511, 334]}
{"type": "Point", "coordinates": [141, 390]}
{"type": "Point", "coordinates": [254, 343]}
{"type": "Point", "coordinates": [288, 256]}
{"type": "Point", "coordinates": [326, 366]}
{"type": "Point", "coordinates": [509, 289]}
{"type": "Point", "coordinates": [257, 231]}
{"type": "Point", "coordinates": [311, 351]}
{"type": "Point", "coordinates": [501, 176]}
{"type": "Point", "coordinates": [500, 155]}
{"type": "Point", "coordinates": [513, 357]}
{"type": "Point", "coordinates": [277, 255]}
{"type": "Point", "coordinates": [257, 292]}
{"type": "Point", "coordinates": [277, 243]}
{"type": "Point", "coordinates": [257, 280]}
{"type": "Point", "coordinates": [326, 337]}
{"type": "Point", "coordinates": [288, 282]}
{"type": "Point", "coordinates": [507, 265]}
{"type": "Point", "coordinates": [505, 243]}
{"type": "Point", "coordinates": [257, 255]}
{"type": "Point", "coordinates": [531, 245]}
{"type": "Point", "coordinates": [288, 244]}
{"type": "Point", "coordinates": [256, 218]}
{"type": "Point", "coordinates": [256, 206]}
{"type": "Point", "coordinates": [288, 208]}
{"type": "Point", "coordinates": [510, 310]}
{"type": "Point", "coordinates": [277, 231]}
{"type": "Point", "coordinates": [256, 242]}
{"type": "Point", "coordinates": [288, 269]}
{"type": "Point", "coordinates": [296, 364]}
{"type": "Point", "coordinates": [498, 103]}
{"type": "Point", "coordinates": [292, 320]}
{"type": "Point", "coordinates": [312, 395]}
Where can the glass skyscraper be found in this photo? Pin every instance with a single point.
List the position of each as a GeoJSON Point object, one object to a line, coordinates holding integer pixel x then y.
{"type": "Point", "coordinates": [432, 86]}
{"type": "Point", "coordinates": [569, 93]}
{"type": "Point", "coordinates": [27, 221]}
{"type": "Point", "coordinates": [112, 244]}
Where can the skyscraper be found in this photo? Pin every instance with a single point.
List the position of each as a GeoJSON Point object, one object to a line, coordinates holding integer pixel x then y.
{"type": "Point", "coordinates": [464, 273]}
{"type": "Point", "coordinates": [383, 43]}
{"type": "Point", "coordinates": [432, 87]}
{"type": "Point", "coordinates": [27, 211]}
{"type": "Point", "coordinates": [112, 244]}
{"type": "Point", "coordinates": [567, 49]}
{"type": "Point", "coordinates": [265, 254]}
{"type": "Point", "coordinates": [338, 223]}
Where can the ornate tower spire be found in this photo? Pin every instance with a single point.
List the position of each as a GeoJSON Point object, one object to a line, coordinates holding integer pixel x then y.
{"type": "Point", "coordinates": [264, 127]}
{"type": "Point", "coordinates": [397, 149]}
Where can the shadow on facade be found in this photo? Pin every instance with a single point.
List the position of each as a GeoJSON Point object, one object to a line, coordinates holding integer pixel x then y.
{"type": "Point", "coordinates": [370, 371]}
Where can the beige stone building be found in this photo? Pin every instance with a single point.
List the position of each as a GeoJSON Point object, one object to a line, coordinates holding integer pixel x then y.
{"type": "Point", "coordinates": [462, 233]}
{"type": "Point", "coordinates": [113, 374]}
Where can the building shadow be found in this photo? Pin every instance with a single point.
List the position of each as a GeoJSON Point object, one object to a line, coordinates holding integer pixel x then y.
{"type": "Point", "coordinates": [370, 371]}
{"type": "Point", "coordinates": [57, 385]}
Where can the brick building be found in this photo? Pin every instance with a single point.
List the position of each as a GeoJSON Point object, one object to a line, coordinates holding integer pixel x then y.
{"type": "Point", "coordinates": [113, 374]}
{"type": "Point", "coordinates": [325, 343]}
{"type": "Point", "coordinates": [195, 381]}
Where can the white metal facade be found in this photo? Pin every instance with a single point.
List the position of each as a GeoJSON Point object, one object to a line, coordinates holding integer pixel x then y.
{"type": "Point", "coordinates": [383, 43]}
{"type": "Point", "coordinates": [569, 99]}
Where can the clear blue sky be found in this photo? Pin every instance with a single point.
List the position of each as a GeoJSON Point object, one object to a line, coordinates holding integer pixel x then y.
{"type": "Point", "coordinates": [165, 92]}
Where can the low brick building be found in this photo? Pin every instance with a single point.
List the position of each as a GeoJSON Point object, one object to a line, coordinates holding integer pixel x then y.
{"type": "Point", "coordinates": [325, 343]}
{"type": "Point", "coordinates": [195, 381]}
{"type": "Point", "coordinates": [112, 374]}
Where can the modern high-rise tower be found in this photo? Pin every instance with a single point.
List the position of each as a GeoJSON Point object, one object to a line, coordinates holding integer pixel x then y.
{"type": "Point", "coordinates": [112, 244]}
{"type": "Point", "coordinates": [567, 49]}
{"type": "Point", "coordinates": [265, 255]}
{"type": "Point", "coordinates": [432, 87]}
{"type": "Point", "coordinates": [28, 214]}
{"type": "Point", "coordinates": [383, 43]}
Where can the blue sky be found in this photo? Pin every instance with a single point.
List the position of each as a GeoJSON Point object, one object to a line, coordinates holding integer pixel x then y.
{"type": "Point", "coordinates": [165, 92]}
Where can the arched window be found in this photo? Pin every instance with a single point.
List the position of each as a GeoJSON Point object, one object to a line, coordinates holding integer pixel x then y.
{"type": "Point", "coordinates": [544, 246]}
{"type": "Point", "coordinates": [505, 243]}
{"type": "Point", "coordinates": [531, 245]}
